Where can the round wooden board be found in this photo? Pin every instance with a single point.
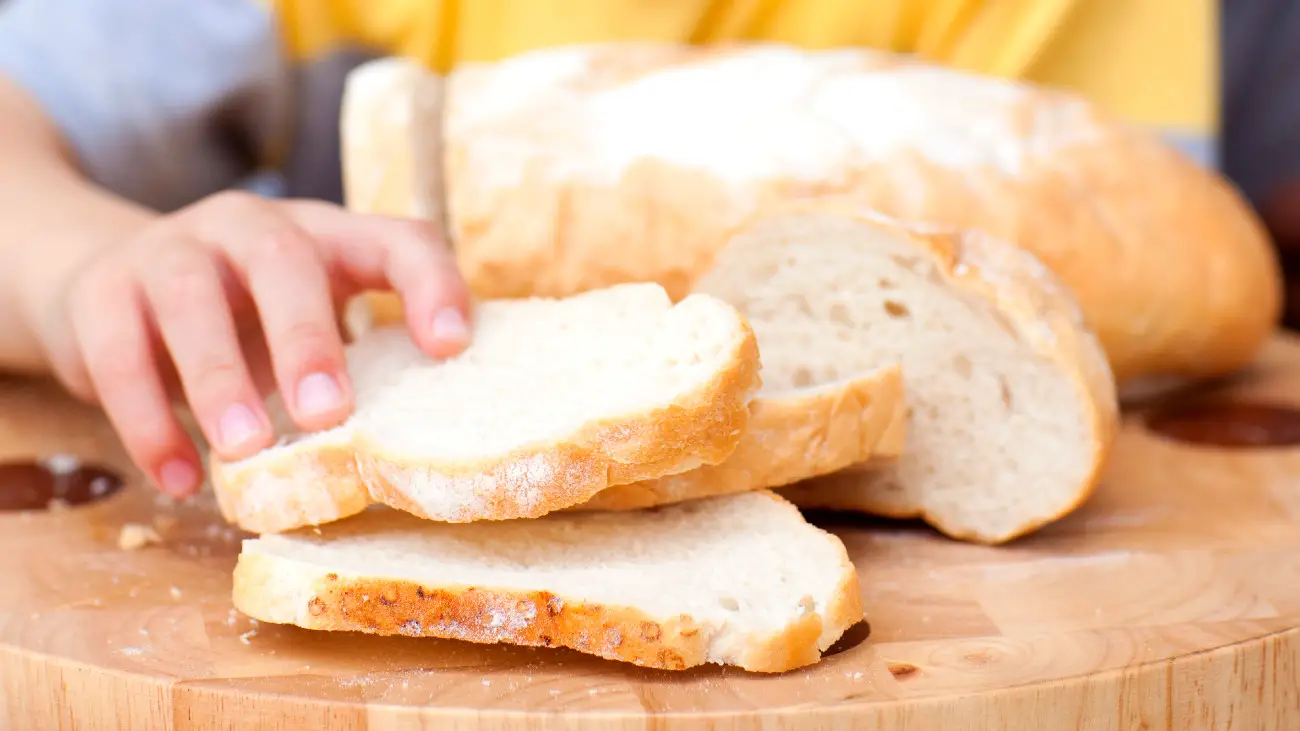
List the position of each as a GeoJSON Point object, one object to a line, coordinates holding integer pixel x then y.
{"type": "Point", "coordinates": [1170, 601]}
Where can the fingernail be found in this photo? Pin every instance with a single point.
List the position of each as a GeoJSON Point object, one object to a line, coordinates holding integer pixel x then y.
{"type": "Point", "coordinates": [178, 478]}
{"type": "Point", "coordinates": [450, 325]}
{"type": "Point", "coordinates": [319, 393]}
{"type": "Point", "coordinates": [238, 425]}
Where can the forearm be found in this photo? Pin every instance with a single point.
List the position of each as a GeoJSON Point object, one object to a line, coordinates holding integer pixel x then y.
{"type": "Point", "coordinates": [53, 219]}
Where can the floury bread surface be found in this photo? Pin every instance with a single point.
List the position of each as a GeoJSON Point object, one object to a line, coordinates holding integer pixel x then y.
{"type": "Point", "coordinates": [737, 580]}
{"type": "Point", "coordinates": [1011, 405]}
{"type": "Point", "coordinates": [571, 168]}
{"type": "Point", "coordinates": [553, 401]}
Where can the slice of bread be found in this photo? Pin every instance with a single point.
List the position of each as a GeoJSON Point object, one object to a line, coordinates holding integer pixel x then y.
{"type": "Point", "coordinates": [1012, 405]}
{"type": "Point", "coordinates": [739, 580]}
{"type": "Point", "coordinates": [796, 431]}
{"type": "Point", "coordinates": [553, 401]}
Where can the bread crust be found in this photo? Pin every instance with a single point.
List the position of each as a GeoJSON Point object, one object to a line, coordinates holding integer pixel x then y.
{"type": "Point", "coordinates": [292, 489]}
{"type": "Point", "coordinates": [1172, 268]}
{"type": "Point", "coordinates": [1036, 307]}
{"type": "Point", "coordinates": [791, 437]}
{"type": "Point", "coordinates": [284, 591]}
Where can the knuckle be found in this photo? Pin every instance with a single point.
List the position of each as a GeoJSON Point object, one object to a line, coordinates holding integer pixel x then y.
{"type": "Point", "coordinates": [231, 202]}
{"type": "Point", "coordinates": [284, 243]}
{"type": "Point", "coordinates": [422, 233]}
{"type": "Point", "coordinates": [306, 342]}
{"type": "Point", "coordinates": [180, 279]}
{"type": "Point", "coordinates": [115, 368]}
{"type": "Point", "coordinates": [213, 378]}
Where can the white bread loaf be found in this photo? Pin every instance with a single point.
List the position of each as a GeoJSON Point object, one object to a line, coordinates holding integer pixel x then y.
{"type": "Point", "coordinates": [553, 401]}
{"type": "Point", "coordinates": [795, 432]}
{"type": "Point", "coordinates": [1012, 408]}
{"type": "Point", "coordinates": [740, 580]}
{"type": "Point", "coordinates": [575, 167]}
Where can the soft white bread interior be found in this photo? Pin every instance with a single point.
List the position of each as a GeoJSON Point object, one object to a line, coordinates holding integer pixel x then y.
{"type": "Point", "coordinates": [553, 401]}
{"type": "Point", "coordinates": [575, 167]}
{"type": "Point", "coordinates": [740, 580]}
{"type": "Point", "coordinates": [1012, 406]}
{"type": "Point", "coordinates": [796, 431]}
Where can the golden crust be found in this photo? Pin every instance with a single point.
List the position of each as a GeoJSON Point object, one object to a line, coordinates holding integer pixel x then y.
{"type": "Point", "coordinates": [283, 591]}
{"type": "Point", "coordinates": [791, 437]}
{"type": "Point", "coordinates": [1171, 267]}
{"type": "Point", "coordinates": [1036, 308]}
{"type": "Point", "coordinates": [293, 489]}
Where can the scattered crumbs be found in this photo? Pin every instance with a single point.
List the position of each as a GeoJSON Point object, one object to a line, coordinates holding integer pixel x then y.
{"type": "Point", "coordinates": [555, 691]}
{"type": "Point", "coordinates": [135, 536]}
{"type": "Point", "coordinates": [131, 651]}
{"type": "Point", "coordinates": [232, 617]}
{"type": "Point", "coordinates": [254, 622]}
{"type": "Point", "coordinates": [406, 683]}
{"type": "Point", "coordinates": [247, 637]}
{"type": "Point", "coordinates": [857, 675]}
{"type": "Point", "coordinates": [57, 505]}
{"type": "Point", "coordinates": [487, 683]}
{"type": "Point", "coordinates": [175, 593]}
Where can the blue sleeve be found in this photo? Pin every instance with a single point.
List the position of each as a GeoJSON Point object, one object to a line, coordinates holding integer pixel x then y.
{"type": "Point", "coordinates": [162, 101]}
{"type": "Point", "coordinates": [1261, 93]}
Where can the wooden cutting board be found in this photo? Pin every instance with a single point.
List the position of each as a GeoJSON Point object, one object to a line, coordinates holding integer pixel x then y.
{"type": "Point", "coordinates": [1170, 601]}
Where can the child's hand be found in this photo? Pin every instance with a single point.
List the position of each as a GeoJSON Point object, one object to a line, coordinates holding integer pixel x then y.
{"type": "Point", "coordinates": [203, 296]}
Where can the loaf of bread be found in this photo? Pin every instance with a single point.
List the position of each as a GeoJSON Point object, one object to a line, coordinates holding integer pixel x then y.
{"type": "Point", "coordinates": [553, 401]}
{"type": "Point", "coordinates": [1012, 408]}
{"type": "Point", "coordinates": [576, 167]}
{"type": "Point", "coordinates": [739, 580]}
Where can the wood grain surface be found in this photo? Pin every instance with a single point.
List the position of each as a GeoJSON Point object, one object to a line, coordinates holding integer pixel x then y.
{"type": "Point", "coordinates": [1170, 601]}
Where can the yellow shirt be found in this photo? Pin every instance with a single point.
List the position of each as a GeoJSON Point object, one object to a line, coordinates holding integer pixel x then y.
{"type": "Point", "coordinates": [1151, 61]}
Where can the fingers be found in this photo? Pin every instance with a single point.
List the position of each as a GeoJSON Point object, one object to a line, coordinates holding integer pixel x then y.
{"type": "Point", "coordinates": [109, 326]}
{"type": "Point", "coordinates": [182, 286]}
{"type": "Point", "coordinates": [287, 278]}
{"type": "Point", "coordinates": [409, 256]}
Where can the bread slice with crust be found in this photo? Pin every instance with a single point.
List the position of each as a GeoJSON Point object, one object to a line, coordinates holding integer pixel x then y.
{"type": "Point", "coordinates": [1012, 405]}
{"type": "Point", "coordinates": [796, 431]}
{"type": "Point", "coordinates": [553, 401]}
{"type": "Point", "coordinates": [737, 580]}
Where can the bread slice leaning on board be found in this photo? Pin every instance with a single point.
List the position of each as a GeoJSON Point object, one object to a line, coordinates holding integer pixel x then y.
{"type": "Point", "coordinates": [1012, 407]}
{"type": "Point", "coordinates": [574, 167]}
{"type": "Point", "coordinates": [553, 401]}
{"type": "Point", "coordinates": [739, 580]}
